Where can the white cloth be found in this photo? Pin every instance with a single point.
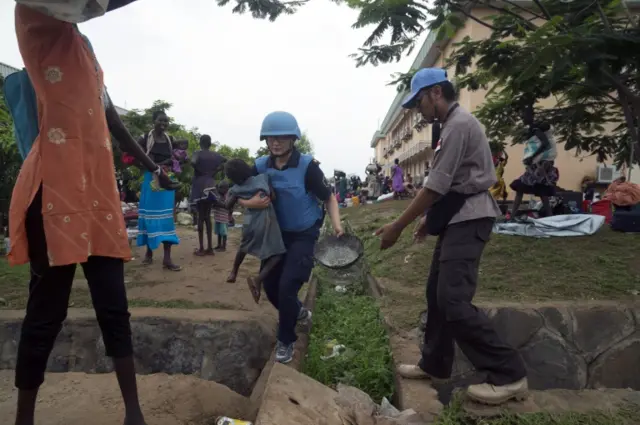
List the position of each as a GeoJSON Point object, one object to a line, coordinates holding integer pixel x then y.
{"type": "Point", "coordinates": [557, 225]}
{"type": "Point", "coordinates": [73, 11]}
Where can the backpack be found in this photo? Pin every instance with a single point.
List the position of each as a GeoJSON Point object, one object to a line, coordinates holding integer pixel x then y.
{"type": "Point", "coordinates": [23, 107]}
{"type": "Point", "coordinates": [22, 103]}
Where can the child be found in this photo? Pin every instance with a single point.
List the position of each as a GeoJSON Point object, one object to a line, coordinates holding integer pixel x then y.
{"type": "Point", "coordinates": [221, 216]}
{"type": "Point", "coordinates": [261, 235]}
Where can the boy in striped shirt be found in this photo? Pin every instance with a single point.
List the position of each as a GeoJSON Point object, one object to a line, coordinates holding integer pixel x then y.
{"type": "Point", "coordinates": [221, 216]}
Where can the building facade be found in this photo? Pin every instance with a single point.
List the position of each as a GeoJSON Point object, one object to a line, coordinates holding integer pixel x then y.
{"type": "Point", "coordinates": [403, 135]}
{"type": "Point", "coordinates": [5, 70]}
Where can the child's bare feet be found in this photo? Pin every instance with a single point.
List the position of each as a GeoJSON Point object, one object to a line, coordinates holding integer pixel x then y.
{"type": "Point", "coordinates": [232, 277]}
{"type": "Point", "coordinates": [256, 288]}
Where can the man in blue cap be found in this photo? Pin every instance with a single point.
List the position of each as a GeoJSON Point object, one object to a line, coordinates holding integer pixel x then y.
{"type": "Point", "coordinates": [461, 212]}
{"type": "Point", "coordinates": [301, 194]}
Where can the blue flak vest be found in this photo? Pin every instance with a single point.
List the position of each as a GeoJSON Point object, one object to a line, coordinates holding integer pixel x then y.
{"type": "Point", "coordinates": [22, 103]}
{"type": "Point", "coordinates": [296, 209]}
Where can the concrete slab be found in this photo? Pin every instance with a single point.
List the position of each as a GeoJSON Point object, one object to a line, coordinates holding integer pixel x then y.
{"type": "Point", "coordinates": [292, 398]}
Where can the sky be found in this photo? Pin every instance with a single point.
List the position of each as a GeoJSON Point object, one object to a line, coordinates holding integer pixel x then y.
{"type": "Point", "coordinates": [224, 72]}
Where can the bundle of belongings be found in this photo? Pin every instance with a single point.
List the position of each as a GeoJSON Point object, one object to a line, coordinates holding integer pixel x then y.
{"type": "Point", "coordinates": [625, 197]}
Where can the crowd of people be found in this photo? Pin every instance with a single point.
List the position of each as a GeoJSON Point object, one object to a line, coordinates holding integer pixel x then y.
{"type": "Point", "coordinates": [66, 211]}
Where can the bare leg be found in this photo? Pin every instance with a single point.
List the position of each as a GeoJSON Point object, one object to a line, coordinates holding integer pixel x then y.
{"type": "Point", "coordinates": [255, 283]}
{"type": "Point", "coordinates": [26, 407]}
{"type": "Point", "coordinates": [516, 204]}
{"type": "Point", "coordinates": [166, 262]}
{"type": "Point", "coordinates": [236, 266]}
{"type": "Point", "coordinates": [126, 374]}
{"type": "Point", "coordinates": [207, 223]}
{"type": "Point", "coordinates": [201, 221]}
{"type": "Point", "coordinates": [546, 206]}
{"type": "Point", "coordinates": [148, 256]}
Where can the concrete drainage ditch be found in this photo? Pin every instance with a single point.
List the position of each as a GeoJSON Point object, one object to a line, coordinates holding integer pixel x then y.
{"type": "Point", "coordinates": [228, 347]}
{"type": "Point", "coordinates": [571, 346]}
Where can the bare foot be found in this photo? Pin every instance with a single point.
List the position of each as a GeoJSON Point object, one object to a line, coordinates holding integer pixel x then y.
{"type": "Point", "coordinates": [209, 251]}
{"type": "Point", "coordinates": [232, 277]}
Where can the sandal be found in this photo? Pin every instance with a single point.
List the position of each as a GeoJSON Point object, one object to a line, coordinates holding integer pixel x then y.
{"type": "Point", "coordinates": [172, 267]}
{"type": "Point", "coordinates": [199, 253]}
{"type": "Point", "coordinates": [147, 261]}
{"type": "Point", "coordinates": [254, 287]}
{"type": "Point", "coordinates": [209, 251]}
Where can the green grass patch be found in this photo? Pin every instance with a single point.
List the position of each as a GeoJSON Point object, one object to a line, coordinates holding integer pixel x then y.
{"type": "Point", "coordinates": [602, 266]}
{"type": "Point", "coordinates": [454, 415]}
{"type": "Point", "coordinates": [352, 319]}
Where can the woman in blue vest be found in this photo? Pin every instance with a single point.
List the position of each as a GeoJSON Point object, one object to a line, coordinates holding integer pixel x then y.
{"type": "Point", "coordinates": [301, 193]}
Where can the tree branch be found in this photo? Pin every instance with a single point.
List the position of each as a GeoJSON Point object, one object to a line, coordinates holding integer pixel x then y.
{"type": "Point", "coordinates": [473, 18]}
{"type": "Point", "coordinates": [542, 9]}
{"type": "Point", "coordinates": [524, 9]}
{"type": "Point", "coordinates": [526, 22]}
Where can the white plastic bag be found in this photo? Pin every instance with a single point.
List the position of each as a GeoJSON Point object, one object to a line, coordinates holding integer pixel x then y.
{"type": "Point", "coordinates": [73, 11]}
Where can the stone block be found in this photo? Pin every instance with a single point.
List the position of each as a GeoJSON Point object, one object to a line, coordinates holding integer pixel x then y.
{"type": "Point", "coordinates": [598, 328]}
{"type": "Point", "coordinates": [559, 321]}
{"type": "Point", "coordinates": [517, 326]}
{"type": "Point", "coordinates": [291, 398]}
{"type": "Point", "coordinates": [618, 366]}
{"type": "Point", "coordinates": [552, 364]}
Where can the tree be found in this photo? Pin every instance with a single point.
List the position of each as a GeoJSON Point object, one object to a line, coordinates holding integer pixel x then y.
{"type": "Point", "coordinates": [304, 145]}
{"type": "Point", "coordinates": [139, 122]}
{"type": "Point", "coordinates": [584, 54]}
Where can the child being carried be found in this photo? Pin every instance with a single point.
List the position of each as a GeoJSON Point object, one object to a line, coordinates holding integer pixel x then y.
{"type": "Point", "coordinates": [261, 235]}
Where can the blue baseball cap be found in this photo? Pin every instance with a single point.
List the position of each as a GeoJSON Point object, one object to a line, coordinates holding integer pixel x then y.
{"type": "Point", "coordinates": [426, 77]}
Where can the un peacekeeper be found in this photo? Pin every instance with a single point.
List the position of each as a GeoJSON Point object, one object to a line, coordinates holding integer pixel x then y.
{"type": "Point", "coordinates": [461, 212]}
{"type": "Point", "coordinates": [301, 194]}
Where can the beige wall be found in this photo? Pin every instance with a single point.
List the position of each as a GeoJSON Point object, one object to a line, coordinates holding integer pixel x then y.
{"type": "Point", "coordinates": [571, 168]}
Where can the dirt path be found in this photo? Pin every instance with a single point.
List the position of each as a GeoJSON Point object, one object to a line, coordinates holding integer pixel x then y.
{"type": "Point", "coordinates": [202, 279]}
{"type": "Point", "coordinates": [79, 399]}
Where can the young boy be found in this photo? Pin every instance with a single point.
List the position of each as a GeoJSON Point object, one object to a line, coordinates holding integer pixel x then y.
{"type": "Point", "coordinates": [221, 216]}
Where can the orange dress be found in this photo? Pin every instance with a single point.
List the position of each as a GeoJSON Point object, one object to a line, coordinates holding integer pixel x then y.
{"type": "Point", "coordinates": [71, 158]}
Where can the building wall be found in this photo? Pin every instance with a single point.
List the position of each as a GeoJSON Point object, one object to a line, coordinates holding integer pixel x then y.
{"type": "Point", "coordinates": [571, 167]}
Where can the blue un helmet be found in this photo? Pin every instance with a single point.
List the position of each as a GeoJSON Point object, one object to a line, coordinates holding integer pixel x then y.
{"type": "Point", "coordinates": [424, 78]}
{"type": "Point", "coordinates": [280, 123]}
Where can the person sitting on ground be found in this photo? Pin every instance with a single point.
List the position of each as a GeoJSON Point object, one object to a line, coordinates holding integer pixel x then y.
{"type": "Point", "coordinates": [540, 176]}
{"type": "Point", "coordinates": [261, 236]}
{"type": "Point", "coordinates": [221, 216]}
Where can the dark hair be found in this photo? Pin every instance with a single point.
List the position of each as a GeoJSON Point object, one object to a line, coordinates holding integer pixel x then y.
{"type": "Point", "coordinates": [205, 140]}
{"type": "Point", "coordinates": [396, 161]}
{"type": "Point", "coordinates": [238, 171]}
{"type": "Point", "coordinates": [223, 184]}
{"type": "Point", "coordinates": [448, 91]}
{"type": "Point", "coordinates": [544, 126]}
{"type": "Point", "coordinates": [157, 114]}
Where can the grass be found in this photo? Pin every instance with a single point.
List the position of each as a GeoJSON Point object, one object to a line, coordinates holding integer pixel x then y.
{"type": "Point", "coordinates": [353, 320]}
{"type": "Point", "coordinates": [14, 283]}
{"type": "Point", "coordinates": [602, 266]}
{"type": "Point", "coordinates": [454, 415]}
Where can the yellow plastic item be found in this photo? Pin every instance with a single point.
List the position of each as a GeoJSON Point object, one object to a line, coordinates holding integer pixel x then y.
{"type": "Point", "coordinates": [355, 200]}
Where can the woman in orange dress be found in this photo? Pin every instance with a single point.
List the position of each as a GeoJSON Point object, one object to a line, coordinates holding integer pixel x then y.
{"type": "Point", "coordinates": [65, 207]}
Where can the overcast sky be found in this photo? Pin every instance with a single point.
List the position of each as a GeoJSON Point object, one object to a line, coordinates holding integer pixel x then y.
{"type": "Point", "coordinates": [224, 72]}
